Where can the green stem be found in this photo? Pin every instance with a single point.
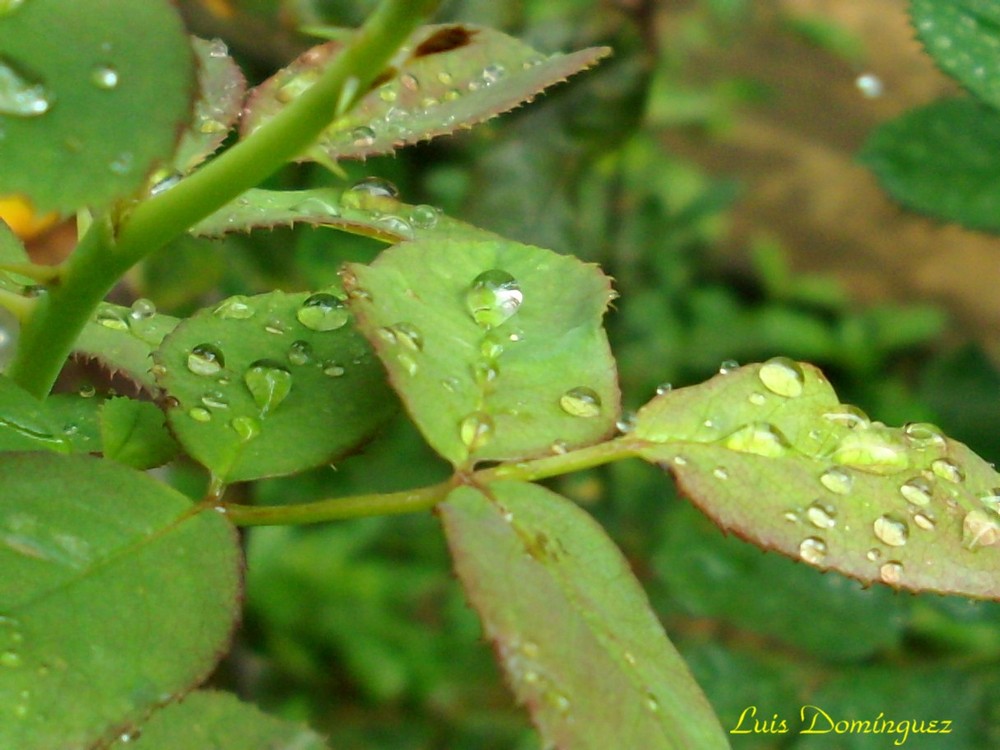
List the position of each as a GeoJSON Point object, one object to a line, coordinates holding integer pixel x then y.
{"type": "Point", "coordinates": [413, 501]}
{"type": "Point", "coordinates": [101, 259]}
{"type": "Point", "coordinates": [336, 509]}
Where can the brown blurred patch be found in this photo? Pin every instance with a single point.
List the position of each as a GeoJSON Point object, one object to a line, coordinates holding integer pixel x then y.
{"type": "Point", "coordinates": [796, 157]}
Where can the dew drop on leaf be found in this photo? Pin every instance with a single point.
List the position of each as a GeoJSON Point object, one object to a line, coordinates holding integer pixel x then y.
{"type": "Point", "coordinates": [727, 366]}
{"type": "Point", "coordinates": [323, 312]}
{"type": "Point", "coordinates": [19, 95]}
{"type": "Point", "coordinates": [948, 470]}
{"type": "Point", "coordinates": [813, 550]}
{"type": "Point", "coordinates": [424, 216]}
{"type": "Point", "coordinates": [759, 438]}
{"type": "Point", "coordinates": [215, 400]}
{"type": "Point", "coordinates": [405, 335]}
{"type": "Point", "coordinates": [485, 371]}
{"type": "Point", "coordinates": [234, 308]}
{"type": "Point", "coordinates": [891, 530]}
{"type": "Point", "coordinates": [332, 369]}
{"type": "Point", "coordinates": [870, 85]}
{"type": "Point", "coordinates": [104, 77]}
{"type": "Point", "coordinates": [782, 376]}
{"type": "Point", "coordinates": [362, 137]}
{"type": "Point", "coordinates": [821, 516]}
{"type": "Point", "coordinates": [979, 530]}
{"type": "Point", "coordinates": [891, 572]}
{"type": "Point", "coordinates": [375, 186]}
{"type": "Point", "coordinates": [300, 353]}
{"type": "Point", "coordinates": [924, 520]}
{"type": "Point", "coordinates": [142, 309]}
{"type": "Point", "coordinates": [395, 225]}
{"type": "Point", "coordinates": [848, 416]}
{"type": "Point", "coordinates": [109, 317]}
{"type": "Point", "coordinates": [664, 388]}
{"type": "Point", "coordinates": [200, 414]}
{"type": "Point", "coordinates": [269, 383]}
{"type": "Point", "coordinates": [581, 402]}
{"type": "Point", "coordinates": [246, 428]}
{"type": "Point", "coordinates": [205, 359]}
{"type": "Point", "coordinates": [493, 298]}
{"type": "Point", "coordinates": [837, 480]}
{"type": "Point", "coordinates": [476, 430]}
{"type": "Point", "coordinates": [921, 435]}
{"type": "Point", "coordinates": [872, 450]}
{"type": "Point", "coordinates": [916, 491]}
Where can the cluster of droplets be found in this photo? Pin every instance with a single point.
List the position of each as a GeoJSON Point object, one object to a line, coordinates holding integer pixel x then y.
{"type": "Point", "coordinates": [268, 381]}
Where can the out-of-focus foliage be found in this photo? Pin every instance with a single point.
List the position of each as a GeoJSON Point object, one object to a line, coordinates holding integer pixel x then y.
{"type": "Point", "coordinates": [364, 616]}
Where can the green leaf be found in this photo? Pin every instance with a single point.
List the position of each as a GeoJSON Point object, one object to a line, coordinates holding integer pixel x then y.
{"type": "Point", "coordinates": [496, 348]}
{"type": "Point", "coordinates": [88, 112]}
{"type": "Point", "coordinates": [25, 423]}
{"type": "Point", "coordinates": [219, 721]}
{"type": "Point", "coordinates": [942, 160]}
{"type": "Point", "coordinates": [448, 78]}
{"type": "Point", "coordinates": [115, 598]}
{"type": "Point", "coordinates": [133, 433]}
{"type": "Point", "coordinates": [963, 36]}
{"type": "Point", "coordinates": [571, 625]}
{"type": "Point", "coordinates": [768, 452]}
{"type": "Point", "coordinates": [77, 417]}
{"type": "Point", "coordinates": [123, 339]}
{"type": "Point", "coordinates": [364, 209]}
{"type": "Point", "coordinates": [269, 385]}
{"type": "Point", "coordinates": [11, 252]}
{"type": "Point", "coordinates": [221, 87]}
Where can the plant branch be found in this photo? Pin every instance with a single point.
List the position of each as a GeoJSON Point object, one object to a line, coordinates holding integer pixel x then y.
{"type": "Point", "coordinates": [101, 259]}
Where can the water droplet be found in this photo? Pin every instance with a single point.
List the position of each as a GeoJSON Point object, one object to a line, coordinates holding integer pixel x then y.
{"type": "Point", "coordinates": [164, 183]}
{"type": "Point", "coordinates": [275, 326]}
{"type": "Point", "coordinates": [991, 500]}
{"type": "Point", "coordinates": [581, 402]}
{"type": "Point", "coordinates": [323, 312]}
{"type": "Point", "coordinates": [408, 363]}
{"type": "Point", "coordinates": [217, 48]}
{"type": "Point", "coordinates": [123, 163]}
{"type": "Point", "coordinates": [491, 347]}
{"type": "Point", "coordinates": [395, 225]}
{"type": "Point", "coordinates": [924, 520]}
{"type": "Point", "coordinates": [19, 95]}
{"type": "Point", "coordinates": [9, 6]}
{"type": "Point", "coordinates": [759, 438]}
{"type": "Point", "coordinates": [874, 450]}
{"type": "Point", "coordinates": [246, 428]}
{"type": "Point", "coordinates": [476, 430]}
{"type": "Point", "coordinates": [663, 388]}
{"type": "Point", "coordinates": [424, 216]}
{"type": "Point", "coordinates": [87, 391]}
{"type": "Point", "coordinates": [680, 461]}
{"type": "Point", "coordinates": [891, 530]}
{"type": "Point", "coordinates": [198, 414]}
{"type": "Point", "coordinates": [837, 480]}
{"type": "Point", "coordinates": [205, 359]}
{"type": "Point", "coordinates": [110, 317]}
{"type": "Point", "coordinates": [948, 470]}
{"type": "Point", "coordinates": [870, 85]}
{"type": "Point", "coordinates": [916, 491]}
{"type": "Point", "coordinates": [891, 572]}
{"type": "Point", "coordinates": [783, 376]}
{"type": "Point", "coordinates": [727, 366]}
{"type": "Point", "coordinates": [813, 550]}
{"type": "Point", "coordinates": [720, 473]}
{"type": "Point", "coordinates": [215, 400]}
{"type": "Point", "coordinates": [405, 335]}
{"type": "Point", "coordinates": [921, 435]}
{"type": "Point", "coordinates": [387, 94]}
{"type": "Point", "coordinates": [332, 369]}
{"type": "Point", "coordinates": [979, 530]}
{"type": "Point", "coordinates": [626, 424]}
{"type": "Point", "coordinates": [493, 297]}
{"type": "Point", "coordinates": [142, 309]}
{"type": "Point", "coordinates": [269, 383]}
{"type": "Point", "coordinates": [848, 416]}
{"type": "Point", "coordinates": [652, 702]}
{"type": "Point", "coordinates": [757, 399]}
{"type": "Point", "coordinates": [485, 371]}
{"type": "Point", "coordinates": [105, 77]}
{"type": "Point", "coordinates": [234, 308]}
{"type": "Point", "coordinates": [874, 554]}
{"type": "Point", "coordinates": [362, 137]}
{"type": "Point", "coordinates": [300, 353]}
{"type": "Point", "coordinates": [821, 516]}
{"type": "Point", "coordinates": [371, 186]}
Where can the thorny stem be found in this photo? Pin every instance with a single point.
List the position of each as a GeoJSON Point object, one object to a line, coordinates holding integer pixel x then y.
{"type": "Point", "coordinates": [102, 258]}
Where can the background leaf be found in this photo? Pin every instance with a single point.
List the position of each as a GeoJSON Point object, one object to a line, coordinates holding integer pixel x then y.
{"type": "Point", "coordinates": [124, 555]}
{"type": "Point", "coordinates": [133, 433]}
{"type": "Point", "coordinates": [25, 422]}
{"type": "Point", "coordinates": [963, 36]}
{"type": "Point", "coordinates": [768, 452]}
{"type": "Point", "coordinates": [220, 721]}
{"type": "Point", "coordinates": [534, 371]}
{"type": "Point", "coordinates": [570, 624]}
{"type": "Point", "coordinates": [449, 77]}
{"type": "Point", "coordinates": [271, 384]}
{"type": "Point", "coordinates": [88, 112]}
{"type": "Point", "coordinates": [942, 160]}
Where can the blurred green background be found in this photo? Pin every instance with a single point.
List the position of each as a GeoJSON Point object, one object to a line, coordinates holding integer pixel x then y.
{"type": "Point", "coordinates": [708, 168]}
